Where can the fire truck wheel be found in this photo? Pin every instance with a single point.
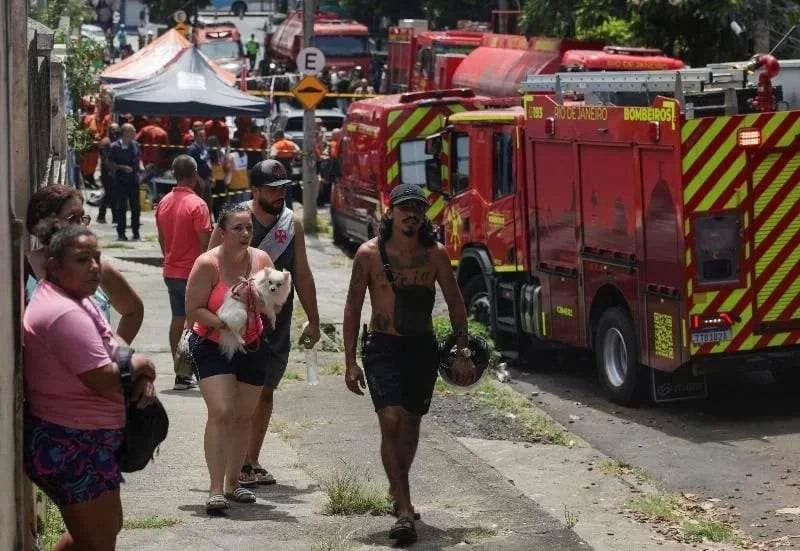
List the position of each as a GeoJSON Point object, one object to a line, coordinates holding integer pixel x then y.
{"type": "Point", "coordinates": [476, 298]}
{"type": "Point", "coordinates": [616, 353]}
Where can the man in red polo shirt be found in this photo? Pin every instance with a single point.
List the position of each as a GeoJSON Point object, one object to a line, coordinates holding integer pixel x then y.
{"type": "Point", "coordinates": [184, 229]}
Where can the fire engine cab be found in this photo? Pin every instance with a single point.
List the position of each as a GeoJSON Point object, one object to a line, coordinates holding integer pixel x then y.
{"type": "Point", "coordinates": [414, 54]}
{"type": "Point", "coordinates": [383, 144]}
{"type": "Point", "coordinates": [655, 222]}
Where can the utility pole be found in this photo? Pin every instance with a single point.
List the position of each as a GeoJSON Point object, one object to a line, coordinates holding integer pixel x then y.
{"type": "Point", "coordinates": [761, 41]}
{"type": "Point", "coordinates": [502, 19]}
{"type": "Point", "coordinates": [310, 181]}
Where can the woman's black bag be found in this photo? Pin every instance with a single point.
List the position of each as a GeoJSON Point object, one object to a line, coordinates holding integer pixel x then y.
{"type": "Point", "coordinates": [145, 428]}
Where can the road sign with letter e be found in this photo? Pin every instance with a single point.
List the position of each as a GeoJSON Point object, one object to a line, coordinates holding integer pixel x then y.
{"type": "Point", "coordinates": [310, 61]}
{"type": "Point", "coordinates": [309, 91]}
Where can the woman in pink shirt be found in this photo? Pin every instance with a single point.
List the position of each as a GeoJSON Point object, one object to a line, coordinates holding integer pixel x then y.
{"type": "Point", "coordinates": [74, 407]}
{"type": "Point", "coordinates": [230, 388]}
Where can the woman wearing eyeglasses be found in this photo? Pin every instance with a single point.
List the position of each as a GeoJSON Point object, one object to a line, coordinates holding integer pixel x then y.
{"type": "Point", "coordinates": [65, 204]}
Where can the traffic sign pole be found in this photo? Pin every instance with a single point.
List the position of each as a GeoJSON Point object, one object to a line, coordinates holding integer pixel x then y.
{"type": "Point", "coordinates": [310, 180]}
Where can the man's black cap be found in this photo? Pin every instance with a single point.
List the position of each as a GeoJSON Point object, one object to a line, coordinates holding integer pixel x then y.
{"type": "Point", "coordinates": [269, 173]}
{"type": "Point", "coordinates": [405, 193]}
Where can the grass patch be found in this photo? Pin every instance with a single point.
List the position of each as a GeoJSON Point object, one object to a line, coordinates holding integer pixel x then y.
{"type": "Point", "coordinates": [659, 506]}
{"type": "Point", "coordinates": [352, 492]}
{"type": "Point", "coordinates": [340, 540]}
{"type": "Point", "coordinates": [324, 227]}
{"type": "Point", "coordinates": [503, 399]}
{"type": "Point", "coordinates": [335, 368]}
{"type": "Point", "coordinates": [477, 535]}
{"type": "Point", "coordinates": [570, 518]}
{"type": "Point", "coordinates": [281, 428]}
{"type": "Point", "coordinates": [616, 467]}
{"type": "Point", "coordinates": [53, 526]}
{"type": "Point", "coordinates": [441, 388]}
{"type": "Point", "coordinates": [293, 376]}
{"type": "Point", "coordinates": [707, 529]}
{"type": "Point", "coordinates": [151, 238]}
{"type": "Point", "coordinates": [150, 523]}
{"type": "Point", "coordinates": [118, 245]}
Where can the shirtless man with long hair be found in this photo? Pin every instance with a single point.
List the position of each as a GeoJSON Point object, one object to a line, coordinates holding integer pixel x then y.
{"type": "Point", "coordinates": [400, 353]}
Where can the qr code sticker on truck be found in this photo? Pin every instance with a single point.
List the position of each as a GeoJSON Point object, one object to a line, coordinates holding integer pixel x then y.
{"type": "Point", "coordinates": [662, 332]}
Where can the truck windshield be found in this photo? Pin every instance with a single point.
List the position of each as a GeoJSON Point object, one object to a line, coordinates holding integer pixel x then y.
{"type": "Point", "coordinates": [412, 162]}
{"type": "Point", "coordinates": [342, 46]}
{"type": "Point", "coordinates": [221, 49]}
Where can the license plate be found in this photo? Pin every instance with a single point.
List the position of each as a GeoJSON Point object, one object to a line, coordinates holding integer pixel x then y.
{"type": "Point", "coordinates": [717, 335]}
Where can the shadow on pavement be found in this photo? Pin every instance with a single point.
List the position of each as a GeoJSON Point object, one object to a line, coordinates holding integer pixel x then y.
{"type": "Point", "coordinates": [192, 393]}
{"type": "Point", "coordinates": [429, 537]}
{"type": "Point", "coordinates": [280, 493]}
{"type": "Point", "coordinates": [243, 511]}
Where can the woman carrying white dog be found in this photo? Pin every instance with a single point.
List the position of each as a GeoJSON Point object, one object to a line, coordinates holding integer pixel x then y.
{"type": "Point", "coordinates": [230, 388]}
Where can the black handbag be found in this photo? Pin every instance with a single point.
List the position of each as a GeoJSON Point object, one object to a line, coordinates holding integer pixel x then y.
{"type": "Point", "coordinates": [145, 428]}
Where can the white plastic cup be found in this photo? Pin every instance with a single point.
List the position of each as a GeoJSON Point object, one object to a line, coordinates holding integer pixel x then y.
{"type": "Point", "coordinates": [312, 374]}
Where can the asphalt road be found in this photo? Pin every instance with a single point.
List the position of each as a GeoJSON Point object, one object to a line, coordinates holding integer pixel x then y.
{"type": "Point", "coordinates": [740, 445]}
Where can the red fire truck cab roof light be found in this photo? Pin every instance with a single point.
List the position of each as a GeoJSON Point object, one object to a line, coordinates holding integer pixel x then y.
{"type": "Point", "coordinates": [748, 137]}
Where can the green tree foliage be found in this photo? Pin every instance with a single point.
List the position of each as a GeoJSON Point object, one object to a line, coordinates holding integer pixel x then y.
{"type": "Point", "coordinates": [76, 10]}
{"type": "Point", "coordinates": [82, 68]}
{"type": "Point", "coordinates": [697, 31]}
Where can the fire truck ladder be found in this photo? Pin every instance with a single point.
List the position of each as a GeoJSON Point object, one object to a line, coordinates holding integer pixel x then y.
{"type": "Point", "coordinates": [688, 86]}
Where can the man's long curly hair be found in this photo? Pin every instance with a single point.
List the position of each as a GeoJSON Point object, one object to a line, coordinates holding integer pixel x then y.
{"type": "Point", "coordinates": [426, 233]}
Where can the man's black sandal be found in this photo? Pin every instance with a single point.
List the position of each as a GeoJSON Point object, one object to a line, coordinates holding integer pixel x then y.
{"type": "Point", "coordinates": [404, 531]}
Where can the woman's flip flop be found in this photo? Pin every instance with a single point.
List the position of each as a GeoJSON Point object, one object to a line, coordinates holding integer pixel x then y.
{"type": "Point", "coordinates": [263, 477]}
{"type": "Point", "coordinates": [216, 503]}
{"type": "Point", "coordinates": [241, 495]}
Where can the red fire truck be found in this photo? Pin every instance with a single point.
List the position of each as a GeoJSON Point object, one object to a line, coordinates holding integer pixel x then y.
{"type": "Point", "coordinates": [413, 53]}
{"type": "Point", "coordinates": [345, 43]}
{"type": "Point", "coordinates": [383, 144]}
{"type": "Point", "coordinates": [662, 233]}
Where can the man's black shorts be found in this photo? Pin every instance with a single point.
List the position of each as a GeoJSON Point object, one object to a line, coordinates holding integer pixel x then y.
{"type": "Point", "coordinates": [401, 370]}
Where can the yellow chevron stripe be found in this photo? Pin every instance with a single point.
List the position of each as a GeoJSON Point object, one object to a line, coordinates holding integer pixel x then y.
{"type": "Point", "coordinates": [779, 339]}
{"type": "Point", "coordinates": [688, 129]}
{"type": "Point", "coordinates": [407, 126]}
{"type": "Point", "coordinates": [722, 184]}
{"type": "Point", "coordinates": [436, 124]}
{"type": "Point", "coordinates": [700, 145]}
{"type": "Point", "coordinates": [393, 116]}
{"type": "Point", "coordinates": [456, 108]}
{"type": "Point", "coordinates": [426, 192]}
{"type": "Point", "coordinates": [787, 139]}
{"type": "Point", "coordinates": [435, 208]}
{"type": "Point", "coordinates": [716, 159]}
{"type": "Point", "coordinates": [393, 172]}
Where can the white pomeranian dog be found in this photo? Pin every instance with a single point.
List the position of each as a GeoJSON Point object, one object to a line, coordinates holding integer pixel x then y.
{"type": "Point", "coordinates": [270, 288]}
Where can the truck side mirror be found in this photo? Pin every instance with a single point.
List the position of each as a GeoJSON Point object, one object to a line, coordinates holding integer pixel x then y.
{"type": "Point", "coordinates": [433, 145]}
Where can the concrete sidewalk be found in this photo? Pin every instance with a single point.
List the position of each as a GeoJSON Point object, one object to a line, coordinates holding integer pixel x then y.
{"type": "Point", "coordinates": [322, 429]}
